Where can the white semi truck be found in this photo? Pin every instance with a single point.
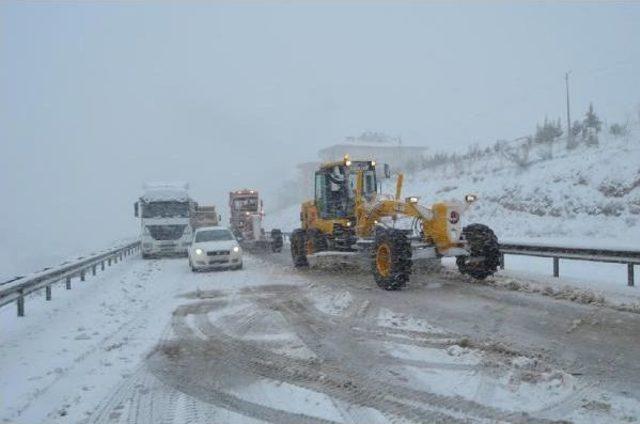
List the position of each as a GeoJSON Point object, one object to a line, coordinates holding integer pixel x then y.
{"type": "Point", "coordinates": [164, 211]}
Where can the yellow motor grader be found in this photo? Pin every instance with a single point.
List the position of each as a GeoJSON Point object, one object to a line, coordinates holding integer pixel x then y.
{"type": "Point", "coordinates": [348, 214]}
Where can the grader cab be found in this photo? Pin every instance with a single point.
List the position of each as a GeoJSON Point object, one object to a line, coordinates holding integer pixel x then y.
{"type": "Point", "coordinates": [348, 214]}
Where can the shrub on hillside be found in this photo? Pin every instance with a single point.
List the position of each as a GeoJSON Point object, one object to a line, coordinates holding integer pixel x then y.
{"type": "Point", "coordinates": [519, 154]}
{"type": "Point", "coordinates": [619, 130]}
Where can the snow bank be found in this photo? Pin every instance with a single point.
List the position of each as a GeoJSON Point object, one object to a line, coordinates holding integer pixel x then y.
{"type": "Point", "coordinates": [584, 195]}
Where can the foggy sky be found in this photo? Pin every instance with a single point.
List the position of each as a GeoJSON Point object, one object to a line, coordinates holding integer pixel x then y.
{"type": "Point", "coordinates": [96, 98]}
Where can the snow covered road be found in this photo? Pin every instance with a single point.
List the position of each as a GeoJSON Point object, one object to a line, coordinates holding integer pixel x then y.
{"type": "Point", "coordinates": [151, 342]}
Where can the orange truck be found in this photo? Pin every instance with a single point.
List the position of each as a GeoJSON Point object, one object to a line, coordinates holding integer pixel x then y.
{"type": "Point", "coordinates": [246, 222]}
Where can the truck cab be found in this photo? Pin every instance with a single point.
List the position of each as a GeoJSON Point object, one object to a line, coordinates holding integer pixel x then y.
{"type": "Point", "coordinates": [164, 211]}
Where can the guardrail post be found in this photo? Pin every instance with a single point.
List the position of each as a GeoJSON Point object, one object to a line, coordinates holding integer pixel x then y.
{"type": "Point", "coordinates": [68, 284]}
{"type": "Point", "coordinates": [501, 260]}
{"type": "Point", "coordinates": [93, 270]}
{"type": "Point", "coordinates": [82, 275]}
{"type": "Point", "coordinates": [102, 266]}
{"type": "Point", "coordinates": [556, 267]}
{"type": "Point", "coordinates": [630, 281]}
{"type": "Point", "coordinates": [47, 291]}
{"type": "Point", "coordinates": [20, 303]}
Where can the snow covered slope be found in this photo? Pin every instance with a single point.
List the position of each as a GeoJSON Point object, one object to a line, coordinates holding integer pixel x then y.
{"type": "Point", "coordinates": [583, 195]}
{"type": "Point", "coordinates": [579, 196]}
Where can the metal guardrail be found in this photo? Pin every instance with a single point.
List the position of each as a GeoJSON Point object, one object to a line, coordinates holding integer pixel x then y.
{"type": "Point", "coordinates": [628, 257]}
{"type": "Point", "coordinates": [16, 289]}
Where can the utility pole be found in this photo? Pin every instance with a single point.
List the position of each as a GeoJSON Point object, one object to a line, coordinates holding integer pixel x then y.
{"type": "Point", "coordinates": [569, 131]}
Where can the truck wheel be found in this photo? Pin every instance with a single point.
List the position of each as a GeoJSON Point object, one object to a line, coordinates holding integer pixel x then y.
{"type": "Point", "coordinates": [484, 252]}
{"type": "Point", "coordinates": [391, 258]}
{"type": "Point", "coordinates": [315, 242]}
{"type": "Point", "coordinates": [298, 254]}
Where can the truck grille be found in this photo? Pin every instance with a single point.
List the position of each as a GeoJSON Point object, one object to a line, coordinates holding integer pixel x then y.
{"type": "Point", "coordinates": [218, 252]}
{"type": "Point", "coordinates": [166, 232]}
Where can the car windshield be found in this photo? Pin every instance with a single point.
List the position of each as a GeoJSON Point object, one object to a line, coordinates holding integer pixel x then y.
{"type": "Point", "coordinates": [213, 235]}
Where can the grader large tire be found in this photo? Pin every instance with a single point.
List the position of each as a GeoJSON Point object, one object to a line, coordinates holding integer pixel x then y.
{"type": "Point", "coordinates": [391, 259]}
{"type": "Point", "coordinates": [298, 253]}
{"type": "Point", "coordinates": [484, 252]}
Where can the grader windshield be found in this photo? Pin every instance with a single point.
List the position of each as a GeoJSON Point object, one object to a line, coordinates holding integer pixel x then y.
{"type": "Point", "coordinates": [335, 188]}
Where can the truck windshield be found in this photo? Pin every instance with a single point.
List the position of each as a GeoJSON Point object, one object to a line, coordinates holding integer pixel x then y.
{"type": "Point", "coordinates": [165, 210]}
{"type": "Point", "coordinates": [249, 204]}
{"type": "Point", "coordinates": [213, 235]}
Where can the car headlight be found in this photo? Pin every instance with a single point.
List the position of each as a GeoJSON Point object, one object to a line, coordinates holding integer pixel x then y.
{"type": "Point", "coordinates": [470, 198]}
{"type": "Point", "coordinates": [236, 249]}
{"type": "Point", "coordinates": [199, 252]}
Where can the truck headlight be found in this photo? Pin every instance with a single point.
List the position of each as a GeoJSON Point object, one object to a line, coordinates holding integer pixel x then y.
{"type": "Point", "coordinates": [236, 249]}
{"type": "Point", "coordinates": [199, 252]}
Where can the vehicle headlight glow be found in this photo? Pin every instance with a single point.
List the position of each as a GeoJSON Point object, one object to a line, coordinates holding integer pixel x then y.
{"type": "Point", "coordinates": [236, 249]}
{"type": "Point", "coordinates": [470, 198]}
{"type": "Point", "coordinates": [199, 252]}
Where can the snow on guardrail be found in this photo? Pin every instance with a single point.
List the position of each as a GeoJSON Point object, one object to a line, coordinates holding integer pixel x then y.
{"type": "Point", "coordinates": [16, 289]}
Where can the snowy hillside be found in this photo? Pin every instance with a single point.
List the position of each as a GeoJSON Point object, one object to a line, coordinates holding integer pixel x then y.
{"type": "Point", "coordinates": [581, 195]}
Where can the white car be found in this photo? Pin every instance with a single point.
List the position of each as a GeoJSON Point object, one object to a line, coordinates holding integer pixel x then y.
{"type": "Point", "coordinates": [214, 248]}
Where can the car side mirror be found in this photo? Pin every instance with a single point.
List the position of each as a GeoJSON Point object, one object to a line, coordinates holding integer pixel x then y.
{"type": "Point", "coordinates": [387, 171]}
{"type": "Point", "coordinates": [135, 209]}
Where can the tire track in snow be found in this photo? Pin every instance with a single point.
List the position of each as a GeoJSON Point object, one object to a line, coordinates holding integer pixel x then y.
{"type": "Point", "coordinates": [320, 375]}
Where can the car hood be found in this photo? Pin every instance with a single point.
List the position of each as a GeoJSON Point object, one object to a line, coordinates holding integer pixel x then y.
{"type": "Point", "coordinates": [215, 245]}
